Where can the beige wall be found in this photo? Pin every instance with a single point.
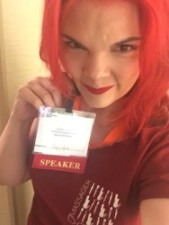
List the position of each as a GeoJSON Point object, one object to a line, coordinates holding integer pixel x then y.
{"type": "Point", "coordinates": [19, 61]}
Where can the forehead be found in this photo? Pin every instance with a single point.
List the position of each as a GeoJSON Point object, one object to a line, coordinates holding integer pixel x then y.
{"type": "Point", "coordinates": [104, 20]}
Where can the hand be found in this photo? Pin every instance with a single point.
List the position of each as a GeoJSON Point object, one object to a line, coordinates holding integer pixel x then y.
{"type": "Point", "coordinates": [37, 92]}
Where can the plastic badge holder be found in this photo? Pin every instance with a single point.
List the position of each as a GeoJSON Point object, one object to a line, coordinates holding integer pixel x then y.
{"type": "Point", "coordinates": [62, 139]}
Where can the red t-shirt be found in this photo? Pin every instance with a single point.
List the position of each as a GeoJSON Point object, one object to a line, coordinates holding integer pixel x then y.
{"type": "Point", "coordinates": [116, 179]}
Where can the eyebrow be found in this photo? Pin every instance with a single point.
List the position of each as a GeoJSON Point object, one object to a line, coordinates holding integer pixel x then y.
{"type": "Point", "coordinates": [126, 40]}
{"type": "Point", "coordinates": [129, 39]}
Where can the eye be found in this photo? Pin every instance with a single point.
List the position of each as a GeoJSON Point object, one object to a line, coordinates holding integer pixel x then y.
{"type": "Point", "coordinates": [125, 48]}
{"type": "Point", "coordinates": [73, 45]}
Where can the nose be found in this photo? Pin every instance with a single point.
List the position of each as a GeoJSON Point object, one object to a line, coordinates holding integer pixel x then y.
{"type": "Point", "coordinates": [96, 66]}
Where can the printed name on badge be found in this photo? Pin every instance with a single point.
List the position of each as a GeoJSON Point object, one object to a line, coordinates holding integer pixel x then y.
{"type": "Point", "coordinates": [62, 139]}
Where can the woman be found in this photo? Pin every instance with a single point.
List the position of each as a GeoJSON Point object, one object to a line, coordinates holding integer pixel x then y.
{"type": "Point", "coordinates": [115, 54]}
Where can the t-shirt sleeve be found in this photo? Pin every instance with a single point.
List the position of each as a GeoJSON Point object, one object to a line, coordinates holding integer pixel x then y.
{"type": "Point", "coordinates": [153, 179]}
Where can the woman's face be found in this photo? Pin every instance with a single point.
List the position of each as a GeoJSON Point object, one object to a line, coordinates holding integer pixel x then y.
{"type": "Point", "coordinates": [100, 49]}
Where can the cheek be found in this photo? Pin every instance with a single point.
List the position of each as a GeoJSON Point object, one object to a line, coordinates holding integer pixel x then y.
{"type": "Point", "coordinates": [72, 63]}
{"type": "Point", "coordinates": [130, 79]}
{"type": "Point", "coordinates": [128, 71]}
{"type": "Point", "coordinates": [135, 71]}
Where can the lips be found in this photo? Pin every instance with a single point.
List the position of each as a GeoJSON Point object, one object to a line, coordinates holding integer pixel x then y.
{"type": "Point", "coordinates": [97, 91]}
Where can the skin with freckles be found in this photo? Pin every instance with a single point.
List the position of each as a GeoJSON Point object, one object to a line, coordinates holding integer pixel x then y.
{"type": "Point", "coordinates": [103, 61]}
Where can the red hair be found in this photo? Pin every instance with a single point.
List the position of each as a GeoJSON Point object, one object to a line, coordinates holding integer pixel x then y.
{"type": "Point", "coordinates": [145, 103]}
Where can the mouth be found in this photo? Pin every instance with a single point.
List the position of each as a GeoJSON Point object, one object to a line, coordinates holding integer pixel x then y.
{"type": "Point", "coordinates": [97, 91]}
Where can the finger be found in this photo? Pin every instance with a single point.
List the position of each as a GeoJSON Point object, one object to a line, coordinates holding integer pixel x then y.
{"type": "Point", "coordinates": [43, 94]}
{"type": "Point", "coordinates": [28, 97]}
{"type": "Point", "coordinates": [52, 89]}
{"type": "Point", "coordinates": [46, 83]}
{"type": "Point", "coordinates": [57, 98]}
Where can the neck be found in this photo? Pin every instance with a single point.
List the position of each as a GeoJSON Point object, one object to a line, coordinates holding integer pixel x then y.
{"type": "Point", "coordinates": [104, 123]}
{"type": "Point", "coordinates": [103, 115]}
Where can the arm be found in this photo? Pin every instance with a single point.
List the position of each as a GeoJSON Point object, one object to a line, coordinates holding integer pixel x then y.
{"type": "Point", "coordinates": [14, 150]}
{"type": "Point", "coordinates": [154, 211]}
{"type": "Point", "coordinates": [16, 139]}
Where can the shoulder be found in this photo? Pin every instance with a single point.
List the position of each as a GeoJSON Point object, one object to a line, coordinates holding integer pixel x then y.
{"type": "Point", "coordinates": [153, 145]}
{"type": "Point", "coordinates": [160, 115]}
{"type": "Point", "coordinates": [157, 129]}
{"type": "Point", "coordinates": [155, 134]}
{"type": "Point", "coordinates": [153, 173]}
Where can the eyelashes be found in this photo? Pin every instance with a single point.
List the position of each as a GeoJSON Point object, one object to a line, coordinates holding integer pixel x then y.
{"type": "Point", "coordinates": [125, 48]}
{"type": "Point", "coordinates": [73, 45]}
{"type": "Point", "coordinates": [121, 49]}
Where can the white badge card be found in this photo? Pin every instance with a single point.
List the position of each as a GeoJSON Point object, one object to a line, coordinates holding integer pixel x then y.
{"type": "Point", "coordinates": [62, 137]}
